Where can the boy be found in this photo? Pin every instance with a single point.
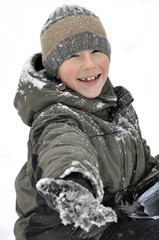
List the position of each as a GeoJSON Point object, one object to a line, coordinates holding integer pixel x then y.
{"type": "Point", "coordinates": [85, 149]}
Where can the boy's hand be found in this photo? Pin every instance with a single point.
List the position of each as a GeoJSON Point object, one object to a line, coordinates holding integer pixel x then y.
{"type": "Point", "coordinates": [75, 203]}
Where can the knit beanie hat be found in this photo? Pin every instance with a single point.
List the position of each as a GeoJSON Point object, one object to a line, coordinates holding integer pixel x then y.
{"type": "Point", "coordinates": [68, 30]}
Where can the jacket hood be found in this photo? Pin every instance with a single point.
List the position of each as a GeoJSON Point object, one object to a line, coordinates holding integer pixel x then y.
{"type": "Point", "coordinates": [36, 91]}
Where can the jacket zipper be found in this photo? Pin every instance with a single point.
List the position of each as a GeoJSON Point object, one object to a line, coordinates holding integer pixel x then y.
{"type": "Point", "coordinates": [123, 172]}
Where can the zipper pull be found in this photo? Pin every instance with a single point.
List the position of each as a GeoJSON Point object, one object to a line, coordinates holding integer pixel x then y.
{"type": "Point", "coordinates": [124, 185]}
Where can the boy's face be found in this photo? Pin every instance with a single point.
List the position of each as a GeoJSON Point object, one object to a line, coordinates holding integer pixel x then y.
{"type": "Point", "coordinates": [85, 72]}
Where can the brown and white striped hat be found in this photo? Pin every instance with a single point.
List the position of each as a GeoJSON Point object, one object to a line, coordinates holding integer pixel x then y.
{"type": "Point", "coordinates": [68, 30]}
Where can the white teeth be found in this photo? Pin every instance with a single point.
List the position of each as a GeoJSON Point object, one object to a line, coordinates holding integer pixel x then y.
{"type": "Point", "coordinates": [89, 78]}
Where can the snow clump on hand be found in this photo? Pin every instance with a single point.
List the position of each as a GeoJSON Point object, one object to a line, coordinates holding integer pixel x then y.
{"type": "Point", "coordinates": [75, 203]}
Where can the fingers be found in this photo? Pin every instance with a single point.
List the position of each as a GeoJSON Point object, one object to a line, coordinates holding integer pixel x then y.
{"type": "Point", "coordinates": [75, 203]}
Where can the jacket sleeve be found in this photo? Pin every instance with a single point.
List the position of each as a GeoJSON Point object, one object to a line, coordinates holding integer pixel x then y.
{"type": "Point", "coordinates": [62, 148]}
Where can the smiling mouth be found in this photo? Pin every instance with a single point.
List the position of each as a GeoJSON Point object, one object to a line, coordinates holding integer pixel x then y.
{"type": "Point", "coordinates": [89, 79]}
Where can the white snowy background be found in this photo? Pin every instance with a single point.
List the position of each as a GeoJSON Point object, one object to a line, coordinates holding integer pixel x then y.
{"type": "Point", "coordinates": [132, 27]}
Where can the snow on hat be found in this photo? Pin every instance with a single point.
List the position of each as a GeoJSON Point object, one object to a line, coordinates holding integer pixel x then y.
{"type": "Point", "coordinates": [68, 30]}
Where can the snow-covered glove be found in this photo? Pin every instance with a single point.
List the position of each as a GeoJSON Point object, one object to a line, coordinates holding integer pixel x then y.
{"type": "Point", "coordinates": [75, 203]}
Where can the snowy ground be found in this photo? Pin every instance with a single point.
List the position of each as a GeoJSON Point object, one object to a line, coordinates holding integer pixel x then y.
{"type": "Point", "coordinates": [132, 27]}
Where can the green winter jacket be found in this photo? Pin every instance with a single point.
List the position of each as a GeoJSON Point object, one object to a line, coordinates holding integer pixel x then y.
{"type": "Point", "coordinates": [99, 138]}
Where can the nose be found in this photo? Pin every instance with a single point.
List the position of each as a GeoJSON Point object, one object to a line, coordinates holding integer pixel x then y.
{"type": "Point", "coordinates": [88, 62]}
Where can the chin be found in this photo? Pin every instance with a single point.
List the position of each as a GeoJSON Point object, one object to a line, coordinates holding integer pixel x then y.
{"type": "Point", "coordinates": [91, 95]}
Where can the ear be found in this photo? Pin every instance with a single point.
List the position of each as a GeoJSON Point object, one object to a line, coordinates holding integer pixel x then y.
{"type": "Point", "coordinates": [61, 87]}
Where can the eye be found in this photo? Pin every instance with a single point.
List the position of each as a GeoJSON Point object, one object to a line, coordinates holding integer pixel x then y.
{"type": "Point", "coordinates": [74, 56]}
{"type": "Point", "coordinates": [95, 51]}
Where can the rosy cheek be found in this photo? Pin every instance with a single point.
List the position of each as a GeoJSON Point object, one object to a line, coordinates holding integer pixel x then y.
{"type": "Point", "coordinates": [70, 71]}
